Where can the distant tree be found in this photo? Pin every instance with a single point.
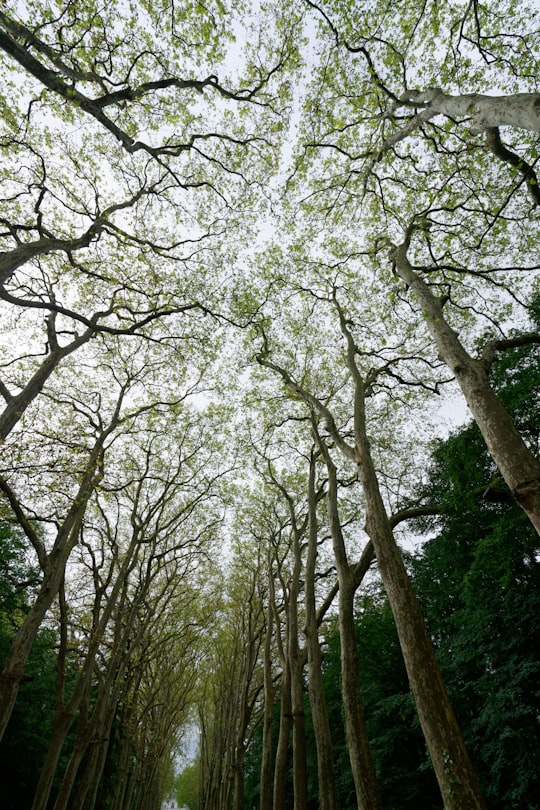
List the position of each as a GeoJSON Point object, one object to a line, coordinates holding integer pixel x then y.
{"type": "Point", "coordinates": [187, 786]}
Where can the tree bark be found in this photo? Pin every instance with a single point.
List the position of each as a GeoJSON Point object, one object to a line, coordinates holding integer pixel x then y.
{"type": "Point", "coordinates": [321, 725]}
{"type": "Point", "coordinates": [453, 768]}
{"type": "Point", "coordinates": [517, 464]}
{"type": "Point", "coordinates": [363, 768]}
{"type": "Point", "coordinates": [282, 752]}
{"type": "Point", "coordinates": [95, 762]}
{"type": "Point", "coordinates": [521, 110]}
{"type": "Point", "coordinates": [296, 662]}
{"type": "Point", "coordinates": [266, 756]}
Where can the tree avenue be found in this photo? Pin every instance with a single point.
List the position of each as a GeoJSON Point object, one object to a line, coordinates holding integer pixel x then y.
{"type": "Point", "coordinates": [249, 256]}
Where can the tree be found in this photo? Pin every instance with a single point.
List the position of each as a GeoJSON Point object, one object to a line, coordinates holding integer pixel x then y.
{"type": "Point", "coordinates": [73, 201]}
{"type": "Point", "coordinates": [140, 541]}
{"type": "Point", "coordinates": [24, 745]}
{"type": "Point", "coordinates": [450, 758]}
{"type": "Point", "coordinates": [479, 590]}
{"type": "Point", "coordinates": [379, 162]}
{"type": "Point", "coordinates": [85, 225]}
{"type": "Point", "coordinates": [517, 463]}
{"type": "Point", "coordinates": [365, 780]}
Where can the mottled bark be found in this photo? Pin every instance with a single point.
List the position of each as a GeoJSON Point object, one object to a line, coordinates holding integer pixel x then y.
{"type": "Point", "coordinates": [453, 768]}
{"type": "Point", "coordinates": [363, 769]}
{"type": "Point", "coordinates": [517, 464]}
{"type": "Point", "coordinates": [321, 724]}
{"type": "Point", "coordinates": [521, 110]}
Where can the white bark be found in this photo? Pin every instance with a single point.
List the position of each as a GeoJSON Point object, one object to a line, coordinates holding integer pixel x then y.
{"type": "Point", "coordinates": [521, 110]}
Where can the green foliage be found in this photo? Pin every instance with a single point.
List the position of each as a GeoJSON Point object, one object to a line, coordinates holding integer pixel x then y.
{"type": "Point", "coordinates": [24, 745]}
{"type": "Point", "coordinates": [26, 740]}
{"type": "Point", "coordinates": [478, 580]}
{"type": "Point", "coordinates": [187, 786]}
{"type": "Point", "coordinates": [17, 576]}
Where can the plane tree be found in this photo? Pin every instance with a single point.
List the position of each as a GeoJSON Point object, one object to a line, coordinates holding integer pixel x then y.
{"type": "Point", "coordinates": [436, 74]}
{"type": "Point", "coordinates": [402, 174]}
{"type": "Point", "coordinates": [288, 570]}
{"type": "Point", "coordinates": [143, 525]}
{"type": "Point", "coordinates": [127, 165]}
{"type": "Point", "coordinates": [478, 570]}
{"type": "Point", "coordinates": [51, 473]}
{"type": "Point", "coordinates": [229, 685]}
{"type": "Point", "coordinates": [133, 76]}
{"type": "Point", "coordinates": [515, 459]}
{"type": "Point", "coordinates": [349, 380]}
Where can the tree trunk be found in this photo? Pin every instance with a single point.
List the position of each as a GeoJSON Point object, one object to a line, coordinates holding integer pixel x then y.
{"type": "Point", "coordinates": [119, 798]}
{"type": "Point", "coordinates": [17, 404]}
{"type": "Point", "coordinates": [321, 725]}
{"type": "Point", "coordinates": [88, 787]}
{"type": "Point", "coordinates": [62, 723]}
{"type": "Point", "coordinates": [266, 756]}
{"type": "Point", "coordinates": [300, 775]}
{"type": "Point", "coordinates": [456, 777]}
{"type": "Point", "coordinates": [282, 752]}
{"type": "Point", "coordinates": [363, 768]}
{"type": "Point", "coordinates": [453, 768]}
{"type": "Point", "coordinates": [54, 567]}
{"type": "Point", "coordinates": [521, 110]}
{"type": "Point", "coordinates": [518, 466]}
{"type": "Point", "coordinates": [296, 663]}
{"type": "Point", "coordinates": [21, 644]}
{"type": "Point", "coordinates": [79, 749]}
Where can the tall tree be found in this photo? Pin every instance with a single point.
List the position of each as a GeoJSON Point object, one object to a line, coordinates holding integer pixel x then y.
{"type": "Point", "coordinates": [450, 758]}
{"type": "Point", "coordinates": [517, 462]}
{"type": "Point", "coordinates": [383, 158]}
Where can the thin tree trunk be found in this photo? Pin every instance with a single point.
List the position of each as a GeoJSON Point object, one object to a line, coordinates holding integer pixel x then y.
{"type": "Point", "coordinates": [296, 663]}
{"type": "Point", "coordinates": [79, 749]}
{"type": "Point", "coordinates": [282, 752]}
{"type": "Point", "coordinates": [62, 723]}
{"type": "Point", "coordinates": [89, 784]}
{"type": "Point", "coordinates": [266, 757]}
{"type": "Point", "coordinates": [321, 725]}
{"type": "Point", "coordinates": [300, 774]}
{"type": "Point", "coordinates": [119, 801]}
{"type": "Point", "coordinates": [363, 768]}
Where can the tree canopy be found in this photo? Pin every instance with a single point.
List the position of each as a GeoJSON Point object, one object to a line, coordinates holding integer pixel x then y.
{"type": "Point", "coordinates": [254, 258]}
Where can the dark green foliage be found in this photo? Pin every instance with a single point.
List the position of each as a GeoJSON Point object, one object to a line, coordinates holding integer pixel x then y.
{"type": "Point", "coordinates": [25, 742]}
{"type": "Point", "coordinates": [478, 580]}
{"type": "Point", "coordinates": [479, 583]}
{"type": "Point", "coordinates": [24, 745]}
{"type": "Point", "coordinates": [18, 577]}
